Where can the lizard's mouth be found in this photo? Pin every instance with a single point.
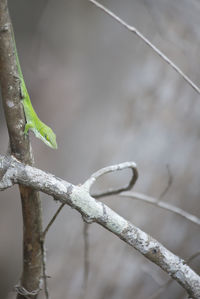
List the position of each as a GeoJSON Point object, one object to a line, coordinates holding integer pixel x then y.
{"type": "Point", "coordinates": [51, 144]}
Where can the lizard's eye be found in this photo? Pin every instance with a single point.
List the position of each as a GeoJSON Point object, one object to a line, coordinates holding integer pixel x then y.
{"type": "Point", "coordinates": [46, 137]}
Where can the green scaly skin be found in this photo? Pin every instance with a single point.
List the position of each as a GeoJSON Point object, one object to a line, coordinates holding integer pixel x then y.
{"type": "Point", "coordinates": [33, 122]}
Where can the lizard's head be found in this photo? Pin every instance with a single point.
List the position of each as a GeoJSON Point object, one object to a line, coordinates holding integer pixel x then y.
{"type": "Point", "coordinates": [47, 135]}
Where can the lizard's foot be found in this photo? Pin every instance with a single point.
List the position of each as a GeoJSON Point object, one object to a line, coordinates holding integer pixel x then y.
{"type": "Point", "coordinates": [27, 127]}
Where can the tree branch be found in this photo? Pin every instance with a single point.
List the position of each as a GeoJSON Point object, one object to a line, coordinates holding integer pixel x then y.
{"type": "Point", "coordinates": [20, 147]}
{"type": "Point", "coordinates": [79, 198]}
{"type": "Point", "coordinates": [164, 287]}
{"type": "Point", "coordinates": [148, 43]}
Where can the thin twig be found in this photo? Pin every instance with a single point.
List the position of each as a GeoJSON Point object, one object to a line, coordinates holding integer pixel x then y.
{"type": "Point", "coordinates": [46, 291]}
{"type": "Point", "coordinates": [88, 184]}
{"type": "Point", "coordinates": [192, 257]}
{"type": "Point", "coordinates": [162, 205]}
{"type": "Point", "coordinates": [147, 42]}
{"type": "Point", "coordinates": [52, 220]}
{"type": "Point", "coordinates": [86, 257]}
{"type": "Point", "coordinates": [169, 183]}
{"type": "Point", "coordinates": [44, 252]}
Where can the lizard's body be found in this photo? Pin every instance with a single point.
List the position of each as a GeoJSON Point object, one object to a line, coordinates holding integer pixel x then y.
{"type": "Point", "coordinates": [33, 122]}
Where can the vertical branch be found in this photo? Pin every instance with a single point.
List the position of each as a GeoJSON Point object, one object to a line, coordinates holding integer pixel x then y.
{"type": "Point", "coordinates": [21, 149]}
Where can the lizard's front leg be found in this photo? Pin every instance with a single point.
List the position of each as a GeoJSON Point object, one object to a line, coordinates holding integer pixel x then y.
{"type": "Point", "coordinates": [27, 127]}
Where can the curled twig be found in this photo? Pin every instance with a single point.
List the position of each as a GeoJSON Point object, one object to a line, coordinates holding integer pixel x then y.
{"type": "Point", "coordinates": [88, 184]}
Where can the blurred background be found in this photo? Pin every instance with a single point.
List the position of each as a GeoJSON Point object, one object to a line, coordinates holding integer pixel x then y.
{"type": "Point", "coordinates": [109, 99]}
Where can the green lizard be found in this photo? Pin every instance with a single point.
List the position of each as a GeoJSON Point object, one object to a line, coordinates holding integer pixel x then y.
{"type": "Point", "coordinates": [33, 122]}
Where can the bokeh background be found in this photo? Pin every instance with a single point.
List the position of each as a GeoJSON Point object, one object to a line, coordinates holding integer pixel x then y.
{"type": "Point", "coordinates": [109, 99]}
